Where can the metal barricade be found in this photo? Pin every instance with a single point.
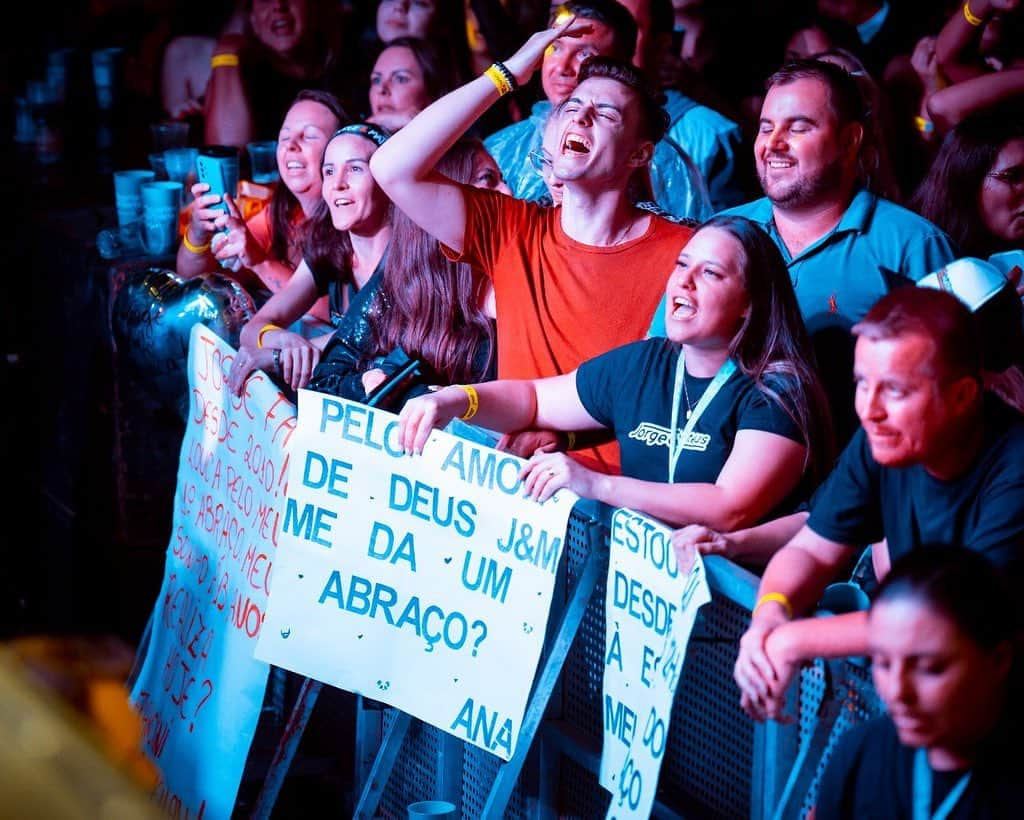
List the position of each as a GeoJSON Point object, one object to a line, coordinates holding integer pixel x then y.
{"type": "Point", "coordinates": [718, 763]}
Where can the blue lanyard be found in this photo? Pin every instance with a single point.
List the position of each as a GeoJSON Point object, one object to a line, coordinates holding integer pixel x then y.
{"type": "Point", "coordinates": [923, 790]}
{"type": "Point", "coordinates": [676, 438]}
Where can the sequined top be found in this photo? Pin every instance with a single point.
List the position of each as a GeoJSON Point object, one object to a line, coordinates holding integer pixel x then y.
{"type": "Point", "coordinates": [347, 354]}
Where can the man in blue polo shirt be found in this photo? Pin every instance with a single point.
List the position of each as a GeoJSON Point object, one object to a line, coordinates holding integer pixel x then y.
{"type": "Point", "coordinates": [845, 246]}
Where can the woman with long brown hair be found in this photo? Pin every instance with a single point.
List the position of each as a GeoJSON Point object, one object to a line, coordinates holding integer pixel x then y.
{"type": "Point", "coordinates": [345, 245]}
{"type": "Point", "coordinates": [423, 306]}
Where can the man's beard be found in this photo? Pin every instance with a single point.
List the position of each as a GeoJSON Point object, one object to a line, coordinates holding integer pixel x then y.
{"type": "Point", "coordinates": [805, 191]}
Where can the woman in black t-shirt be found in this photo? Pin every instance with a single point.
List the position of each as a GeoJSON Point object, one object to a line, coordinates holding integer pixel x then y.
{"type": "Point", "coordinates": [942, 634]}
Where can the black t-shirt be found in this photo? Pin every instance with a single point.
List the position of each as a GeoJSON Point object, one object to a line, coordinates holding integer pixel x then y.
{"type": "Point", "coordinates": [870, 776]}
{"type": "Point", "coordinates": [629, 390]}
{"type": "Point", "coordinates": [861, 501]}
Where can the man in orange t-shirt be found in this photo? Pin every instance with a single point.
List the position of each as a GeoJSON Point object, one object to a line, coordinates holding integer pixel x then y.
{"type": "Point", "coordinates": [573, 281]}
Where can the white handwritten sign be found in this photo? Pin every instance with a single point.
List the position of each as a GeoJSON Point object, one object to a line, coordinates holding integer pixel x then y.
{"type": "Point", "coordinates": [650, 610]}
{"type": "Point", "coordinates": [199, 690]}
{"type": "Point", "coordinates": [422, 581]}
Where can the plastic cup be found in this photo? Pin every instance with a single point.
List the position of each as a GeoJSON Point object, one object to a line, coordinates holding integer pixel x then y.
{"type": "Point", "coordinates": [161, 203]}
{"type": "Point", "coordinates": [24, 121]}
{"type": "Point", "coordinates": [39, 94]}
{"type": "Point", "coordinates": [128, 200]}
{"type": "Point", "coordinates": [157, 163]}
{"type": "Point", "coordinates": [180, 162]}
{"type": "Point", "coordinates": [57, 73]}
{"type": "Point", "coordinates": [263, 161]}
{"type": "Point", "coordinates": [181, 167]}
{"type": "Point", "coordinates": [431, 808]}
{"type": "Point", "coordinates": [169, 134]}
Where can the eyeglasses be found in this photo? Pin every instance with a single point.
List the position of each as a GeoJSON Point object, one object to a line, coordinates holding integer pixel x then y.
{"type": "Point", "coordinates": [541, 161]}
{"type": "Point", "coordinates": [1013, 177]}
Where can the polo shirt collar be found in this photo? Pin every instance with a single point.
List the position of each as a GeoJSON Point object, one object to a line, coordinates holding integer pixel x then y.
{"type": "Point", "coordinates": [857, 216]}
{"type": "Point", "coordinates": [855, 219]}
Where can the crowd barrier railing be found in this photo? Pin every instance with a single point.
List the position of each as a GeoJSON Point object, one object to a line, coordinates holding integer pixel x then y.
{"type": "Point", "coordinates": [718, 763]}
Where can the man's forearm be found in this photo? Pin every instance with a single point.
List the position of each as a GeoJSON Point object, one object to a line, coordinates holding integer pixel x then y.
{"type": "Point", "coordinates": [838, 636]}
{"type": "Point", "coordinates": [798, 574]}
{"type": "Point", "coordinates": [413, 152]}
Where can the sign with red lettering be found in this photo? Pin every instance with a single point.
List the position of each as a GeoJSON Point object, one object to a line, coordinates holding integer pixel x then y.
{"type": "Point", "coordinates": [200, 690]}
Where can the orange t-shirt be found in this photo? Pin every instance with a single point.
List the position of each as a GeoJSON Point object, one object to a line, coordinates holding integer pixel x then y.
{"type": "Point", "coordinates": [560, 302]}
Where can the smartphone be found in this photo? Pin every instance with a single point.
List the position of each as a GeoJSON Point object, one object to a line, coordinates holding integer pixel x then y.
{"type": "Point", "coordinates": [217, 166]}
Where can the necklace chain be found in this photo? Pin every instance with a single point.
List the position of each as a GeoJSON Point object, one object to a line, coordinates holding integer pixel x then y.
{"type": "Point", "coordinates": [623, 234]}
{"type": "Point", "coordinates": [686, 395]}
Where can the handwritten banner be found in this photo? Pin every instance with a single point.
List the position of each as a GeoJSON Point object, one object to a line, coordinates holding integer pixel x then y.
{"type": "Point", "coordinates": [199, 689]}
{"type": "Point", "coordinates": [424, 582]}
{"type": "Point", "coordinates": [650, 610]}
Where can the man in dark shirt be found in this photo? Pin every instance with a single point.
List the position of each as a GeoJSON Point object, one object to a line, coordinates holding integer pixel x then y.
{"type": "Point", "coordinates": [936, 461]}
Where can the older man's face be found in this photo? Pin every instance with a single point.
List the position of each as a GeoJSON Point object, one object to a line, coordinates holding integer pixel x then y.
{"type": "Point", "coordinates": [906, 409]}
{"type": "Point", "coordinates": [559, 73]}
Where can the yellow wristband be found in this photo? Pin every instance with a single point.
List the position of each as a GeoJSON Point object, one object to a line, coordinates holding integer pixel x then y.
{"type": "Point", "coordinates": [778, 597]}
{"type": "Point", "coordinates": [224, 61]}
{"type": "Point", "coordinates": [970, 17]}
{"type": "Point", "coordinates": [923, 125]}
{"type": "Point", "coordinates": [263, 331]}
{"type": "Point", "coordinates": [474, 402]}
{"type": "Point", "coordinates": [500, 82]}
{"type": "Point", "coordinates": [195, 248]}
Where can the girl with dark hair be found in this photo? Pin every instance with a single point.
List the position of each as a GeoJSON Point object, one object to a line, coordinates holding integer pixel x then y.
{"type": "Point", "coordinates": [974, 189]}
{"type": "Point", "coordinates": [268, 244]}
{"type": "Point", "coordinates": [943, 633]}
{"type": "Point", "coordinates": [408, 75]}
{"type": "Point", "coordinates": [424, 305]}
{"type": "Point", "coordinates": [345, 246]}
{"type": "Point", "coordinates": [728, 410]}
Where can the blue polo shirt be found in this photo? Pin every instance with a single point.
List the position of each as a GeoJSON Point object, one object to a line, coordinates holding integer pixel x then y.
{"type": "Point", "coordinates": [877, 245]}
